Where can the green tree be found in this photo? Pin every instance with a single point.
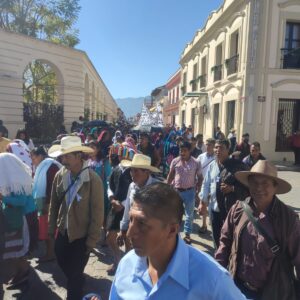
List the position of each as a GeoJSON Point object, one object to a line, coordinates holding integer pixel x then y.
{"type": "Point", "coordinates": [40, 83]}
{"type": "Point", "coordinates": [51, 20]}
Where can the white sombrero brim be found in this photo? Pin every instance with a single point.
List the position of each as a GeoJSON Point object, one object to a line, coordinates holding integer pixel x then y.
{"type": "Point", "coordinates": [53, 149]}
{"type": "Point", "coordinates": [283, 186]}
{"type": "Point", "coordinates": [128, 164]}
{"type": "Point", "coordinates": [56, 150]}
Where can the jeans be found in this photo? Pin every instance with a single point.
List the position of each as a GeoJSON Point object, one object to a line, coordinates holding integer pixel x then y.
{"type": "Point", "coordinates": [216, 224]}
{"type": "Point", "coordinates": [188, 198]}
{"type": "Point", "coordinates": [72, 259]}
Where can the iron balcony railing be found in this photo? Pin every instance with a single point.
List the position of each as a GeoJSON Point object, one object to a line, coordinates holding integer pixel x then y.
{"type": "Point", "coordinates": [218, 72]}
{"type": "Point", "coordinates": [203, 80]}
{"type": "Point", "coordinates": [194, 84]}
{"type": "Point", "coordinates": [232, 64]}
{"type": "Point", "coordinates": [290, 58]}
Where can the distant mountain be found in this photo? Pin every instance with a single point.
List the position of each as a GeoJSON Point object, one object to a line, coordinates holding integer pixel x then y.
{"type": "Point", "coordinates": [131, 106]}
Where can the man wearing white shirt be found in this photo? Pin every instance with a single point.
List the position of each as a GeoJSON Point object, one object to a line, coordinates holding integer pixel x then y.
{"type": "Point", "coordinates": [140, 169]}
{"type": "Point", "coordinates": [119, 182]}
{"type": "Point", "coordinates": [205, 159]}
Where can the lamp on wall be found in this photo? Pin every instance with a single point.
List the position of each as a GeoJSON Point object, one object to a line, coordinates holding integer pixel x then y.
{"type": "Point", "coordinates": [204, 109]}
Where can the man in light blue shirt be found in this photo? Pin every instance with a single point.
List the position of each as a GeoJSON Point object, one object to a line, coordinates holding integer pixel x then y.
{"type": "Point", "coordinates": [221, 188]}
{"type": "Point", "coordinates": [205, 159]}
{"type": "Point", "coordinates": [161, 266]}
{"type": "Point", "coordinates": [208, 193]}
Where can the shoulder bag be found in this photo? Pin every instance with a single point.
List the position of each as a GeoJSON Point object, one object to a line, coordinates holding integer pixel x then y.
{"type": "Point", "coordinates": [281, 280]}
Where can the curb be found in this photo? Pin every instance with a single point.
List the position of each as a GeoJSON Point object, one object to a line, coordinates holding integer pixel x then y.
{"type": "Point", "coordinates": [281, 166]}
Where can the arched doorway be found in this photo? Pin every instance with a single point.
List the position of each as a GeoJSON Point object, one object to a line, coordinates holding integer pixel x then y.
{"type": "Point", "coordinates": [43, 111]}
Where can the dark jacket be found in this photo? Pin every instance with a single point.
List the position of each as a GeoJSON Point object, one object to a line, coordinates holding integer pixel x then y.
{"type": "Point", "coordinates": [227, 171]}
{"type": "Point", "coordinates": [285, 222]}
{"type": "Point", "coordinates": [4, 131]}
{"type": "Point", "coordinates": [196, 152]}
{"type": "Point", "coordinates": [149, 151]}
{"type": "Point", "coordinates": [244, 148]}
{"type": "Point", "coordinates": [119, 182]}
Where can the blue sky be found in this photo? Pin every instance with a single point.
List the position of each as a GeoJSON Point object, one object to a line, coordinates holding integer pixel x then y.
{"type": "Point", "coordinates": [135, 45]}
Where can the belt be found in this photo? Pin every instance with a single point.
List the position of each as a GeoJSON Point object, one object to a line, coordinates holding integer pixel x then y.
{"type": "Point", "coordinates": [184, 190]}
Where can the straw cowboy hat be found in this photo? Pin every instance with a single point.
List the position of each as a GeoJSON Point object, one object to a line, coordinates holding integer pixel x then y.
{"type": "Point", "coordinates": [68, 144]}
{"type": "Point", "coordinates": [265, 168]}
{"type": "Point", "coordinates": [140, 161]}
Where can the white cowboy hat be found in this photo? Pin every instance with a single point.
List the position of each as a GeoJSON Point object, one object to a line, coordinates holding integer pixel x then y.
{"type": "Point", "coordinates": [265, 168]}
{"type": "Point", "coordinates": [139, 161]}
{"type": "Point", "coordinates": [53, 149]}
{"type": "Point", "coordinates": [68, 144]}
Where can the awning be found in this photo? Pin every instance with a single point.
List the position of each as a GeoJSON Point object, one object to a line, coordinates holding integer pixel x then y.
{"type": "Point", "coordinates": [194, 94]}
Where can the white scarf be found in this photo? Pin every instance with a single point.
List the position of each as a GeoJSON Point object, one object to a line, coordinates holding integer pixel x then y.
{"type": "Point", "coordinates": [83, 177]}
{"type": "Point", "coordinates": [15, 176]}
{"type": "Point", "coordinates": [40, 177]}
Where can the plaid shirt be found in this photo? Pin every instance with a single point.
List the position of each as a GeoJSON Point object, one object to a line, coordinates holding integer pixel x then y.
{"type": "Point", "coordinates": [186, 172]}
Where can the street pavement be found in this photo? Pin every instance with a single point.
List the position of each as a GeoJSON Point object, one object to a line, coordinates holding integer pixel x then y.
{"type": "Point", "coordinates": [47, 282]}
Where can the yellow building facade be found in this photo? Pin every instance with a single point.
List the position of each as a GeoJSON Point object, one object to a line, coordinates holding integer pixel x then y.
{"type": "Point", "coordinates": [242, 71]}
{"type": "Point", "coordinates": [80, 87]}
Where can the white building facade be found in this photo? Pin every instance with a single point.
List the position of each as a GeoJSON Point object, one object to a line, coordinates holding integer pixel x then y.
{"type": "Point", "coordinates": [242, 71]}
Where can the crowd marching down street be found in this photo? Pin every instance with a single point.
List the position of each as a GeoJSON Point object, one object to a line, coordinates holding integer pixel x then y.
{"type": "Point", "coordinates": [142, 189]}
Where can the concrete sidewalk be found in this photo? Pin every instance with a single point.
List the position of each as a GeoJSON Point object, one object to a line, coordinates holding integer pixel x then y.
{"type": "Point", "coordinates": [286, 166]}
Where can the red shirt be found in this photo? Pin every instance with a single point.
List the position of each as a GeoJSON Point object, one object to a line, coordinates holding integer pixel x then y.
{"type": "Point", "coordinates": [295, 140]}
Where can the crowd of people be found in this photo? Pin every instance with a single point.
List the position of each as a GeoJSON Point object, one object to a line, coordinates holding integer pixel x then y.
{"type": "Point", "coordinates": [136, 188]}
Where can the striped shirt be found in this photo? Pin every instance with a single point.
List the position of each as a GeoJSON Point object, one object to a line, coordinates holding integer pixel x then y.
{"type": "Point", "coordinates": [186, 172]}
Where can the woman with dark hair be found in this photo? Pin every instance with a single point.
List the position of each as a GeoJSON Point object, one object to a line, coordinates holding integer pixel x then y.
{"type": "Point", "coordinates": [23, 135]}
{"type": "Point", "coordinates": [145, 147]}
{"type": "Point", "coordinates": [95, 161]}
{"type": "Point", "coordinates": [170, 151]}
{"type": "Point", "coordinates": [46, 169]}
{"type": "Point", "coordinates": [104, 140]}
